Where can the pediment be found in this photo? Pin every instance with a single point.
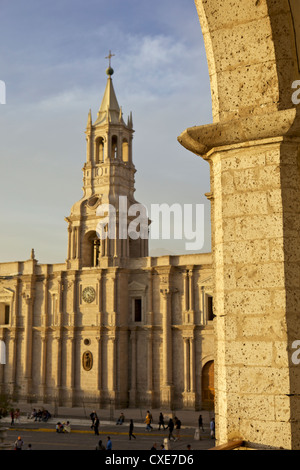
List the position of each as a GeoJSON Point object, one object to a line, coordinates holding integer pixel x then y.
{"type": "Point", "coordinates": [205, 282]}
{"type": "Point", "coordinates": [6, 294]}
{"type": "Point", "coordinates": [137, 286]}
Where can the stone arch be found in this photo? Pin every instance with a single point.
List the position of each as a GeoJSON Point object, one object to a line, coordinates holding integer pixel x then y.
{"type": "Point", "coordinates": [252, 54]}
{"type": "Point", "coordinates": [99, 149]}
{"type": "Point", "coordinates": [90, 249]}
{"type": "Point", "coordinates": [207, 385]}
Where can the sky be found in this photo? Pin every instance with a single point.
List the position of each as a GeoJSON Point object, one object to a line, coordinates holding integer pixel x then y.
{"type": "Point", "coordinates": [53, 63]}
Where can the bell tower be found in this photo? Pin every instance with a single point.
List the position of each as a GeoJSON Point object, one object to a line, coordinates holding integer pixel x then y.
{"type": "Point", "coordinates": [108, 187]}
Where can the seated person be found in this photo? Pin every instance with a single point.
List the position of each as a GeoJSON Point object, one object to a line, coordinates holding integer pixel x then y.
{"type": "Point", "coordinates": [59, 427]}
{"type": "Point", "coordinates": [38, 416]}
{"type": "Point", "coordinates": [46, 415]}
{"type": "Point", "coordinates": [67, 426]}
{"type": "Point", "coordinates": [32, 414]}
{"type": "Point", "coordinates": [121, 419]}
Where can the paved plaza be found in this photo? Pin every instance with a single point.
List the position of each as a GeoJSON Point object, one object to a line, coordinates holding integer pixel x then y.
{"type": "Point", "coordinates": [43, 436]}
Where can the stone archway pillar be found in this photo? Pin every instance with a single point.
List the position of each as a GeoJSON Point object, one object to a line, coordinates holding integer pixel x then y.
{"type": "Point", "coordinates": [253, 151]}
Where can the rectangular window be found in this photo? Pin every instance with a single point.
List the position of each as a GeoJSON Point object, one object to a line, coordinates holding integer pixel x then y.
{"type": "Point", "coordinates": [6, 316]}
{"type": "Point", "coordinates": [137, 310]}
{"type": "Point", "coordinates": [210, 310]}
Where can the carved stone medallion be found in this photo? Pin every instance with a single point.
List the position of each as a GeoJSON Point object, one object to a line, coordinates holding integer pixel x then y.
{"type": "Point", "coordinates": [88, 294]}
{"type": "Point", "coordinates": [87, 360]}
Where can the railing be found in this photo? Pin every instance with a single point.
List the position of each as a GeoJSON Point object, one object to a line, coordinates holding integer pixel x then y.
{"type": "Point", "coordinates": [231, 445]}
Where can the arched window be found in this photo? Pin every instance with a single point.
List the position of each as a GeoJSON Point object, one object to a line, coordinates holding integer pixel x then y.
{"type": "Point", "coordinates": [99, 157]}
{"type": "Point", "coordinates": [114, 147]}
{"type": "Point", "coordinates": [90, 249]}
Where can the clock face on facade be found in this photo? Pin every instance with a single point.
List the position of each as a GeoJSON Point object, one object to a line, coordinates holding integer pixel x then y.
{"type": "Point", "coordinates": [88, 294]}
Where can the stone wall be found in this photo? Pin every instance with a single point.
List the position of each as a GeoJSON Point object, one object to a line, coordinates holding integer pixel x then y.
{"type": "Point", "coordinates": [253, 150]}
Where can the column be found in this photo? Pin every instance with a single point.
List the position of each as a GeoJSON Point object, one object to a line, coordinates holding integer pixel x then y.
{"type": "Point", "coordinates": [191, 295]}
{"type": "Point", "coordinates": [186, 365]}
{"type": "Point", "coordinates": [100, 367]}
{"type": "Point", "coordinates": [2, 338]}
{"type": "Point", "coordinates": [116, 241]}
{"type": "Point", "coordinates": [192, 366]}
{"type": "Point", "coordinates": [133, 391]}
{"type": "Point", "coordinates": [113, 390]}
{"type": "Point", "coordinates": [167, 385]}
{"type": "Point", "coordinates": [43, 388]}
{"type": "Point", "coordinates": [78, 251]}
{"type": "Point", "coordinates": [114, 295]}
{"type": "Point", "coordinates": [28, 343]}
{"type": "Point", "coordinates": [58, 348]}
{"type": "Point", "coordinates": [102, 247]}
{"type": "Point", "coordinates": [100, 300]}
{"type": "Point", "coordinates": [73, 362]}
{"type": "Point", "coordinates": [189, 394]}
{"type": "Point", "coordinates": [185, 291]}
{"type": "Point", "coordinates": [100, 338]}
{"type": "Point", "coordinates": [72, 340]}
{"type": "Point", "coordinates": [150, 366]}
{"type": "Point", "coordinates": [150, 391]}
{"type": "Point", "coordinates": [58, 338]}
{"type": "Point", "coordinates": [60, 301]}
{"type": "Point", "coordinates": [14, 320]}
{"type": "Point", "coordinates": [68, 342]}
{"type": "Point", "coordinates": [44, 324]}
{"type": "Point", "coordinates": [69, 241]}
{"type": "Point", "coordinates": [14, 335]}
{"type": "Point", "coordinates": [95, 256]}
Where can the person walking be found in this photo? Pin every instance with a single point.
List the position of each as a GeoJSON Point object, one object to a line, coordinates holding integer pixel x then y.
{"type": "Point", "coordinates": [148, 421]}
{"type": "Point", "coordinates": [151, 418]}
{"type": "Point", "coordinates": [131, 426]}
{"type": "Point", "coordinates": [17, 415]}
{"type": "Point", "coordinates": [161, 421]}
{"type": "Point", "coordinates": [19, 443]}
{"type": "Point", "coordinates": [212, 428]}
{"type": "Point", "coordinates": [100, 446]}
{"type": "Point", "coordinates": [12, 416]}
{"type": "Point", "coordinates": [108, 444]}
{"type": "Point", "coordinates": [93, 416]}
{"type": "Point", "coordinates": [200, 423]}
{"type": "Point", "coordinates": [178, 427]}
{"type": "Point", "coordinates": [96, 426]}
{"type": "Point", "coordinates": [171, 428]}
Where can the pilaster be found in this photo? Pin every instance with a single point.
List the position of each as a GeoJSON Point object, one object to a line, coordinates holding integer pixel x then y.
{"type": "Point", "coordinates": [255, 187]}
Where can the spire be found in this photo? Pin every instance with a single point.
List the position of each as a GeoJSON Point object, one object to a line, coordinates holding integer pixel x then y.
{"type": "Point", "coordinates": [109, 110]}
{"type": "Point", "coordinates": [89, 122]}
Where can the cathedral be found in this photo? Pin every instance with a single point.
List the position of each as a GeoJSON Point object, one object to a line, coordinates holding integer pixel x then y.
{"type": "Point", "coordinates": [110, 326]}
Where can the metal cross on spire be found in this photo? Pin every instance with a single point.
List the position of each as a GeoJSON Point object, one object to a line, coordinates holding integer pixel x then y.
{"type": "Point", "coordinates": [109, 57]}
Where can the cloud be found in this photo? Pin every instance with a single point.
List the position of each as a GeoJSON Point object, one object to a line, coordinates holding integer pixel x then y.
{"type": "Point", "coordinates": [55, 71]}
